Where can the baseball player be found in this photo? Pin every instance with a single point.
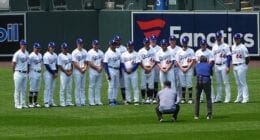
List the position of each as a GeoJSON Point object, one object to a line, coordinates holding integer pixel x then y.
{"type": "Point", "coordinates": [240, 61]}
{"type": "Point", "coordinates": [130, 61]}
{"type": "Point", "coordinates": [147, 57]}
{"type": "Point", "coordinates": [50, 74]}
{"type": "Point", "coordinates": [112, 67]}
{"type": "Point", "coordinates": [157, 48]}
{"type": "Point", "coordinates": [79, 61]}
{"type": "Point", "coordinates": [20, 69]}
{"type": "Point", "coordinates": [35, 68]}
{"type": "Point", "coordinates": [174, 50]}
{"type": "Point", "coordinates": [204, 51]}
{"type": "Point", "coordinates": [95, 62]}
{"type": "Point", "coordinates": [65, 66]}
{"type": "Point", "coordinates": [165, 60]}
{"type": "Point", "coordinates": [185, 60]}
{"type": "Point", "coordinates": [222, 57]}
{"type": "Point", "coordinates": [121, 49]}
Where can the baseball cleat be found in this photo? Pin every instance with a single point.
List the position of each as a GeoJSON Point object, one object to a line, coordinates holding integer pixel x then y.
{"type": "Point", "coordinates": [62, 105]}
{"type": "Point", "coordinates": [244, 101]}
{"type": "Point", "coordinates": [226, 101]}
{"type": "Point", "coordinates": [190, 101]}
{"type": "Point", "coordinates": [18, 107]}
{"type": "Point", "coordinates": [37, 105]}
{"type": "Point", "coordinates": [196, 118]}
{"type": "Point", "coordinates": [46, 105]}
{"type": "Point", "coordinates": [24, 106]}
{"type": "Point", "coordinates": [70, 104]}
{"type": "Point", "coordinates": [182, 101]}
{"type": "Point", "coordinates": [161, 120]}
{"type": "Point", "coordinates": [136, 103]}
{"type": "Point", "coordinates": [154, 101]}
{"type": "Point", "coordinates": [209, 117]}
{"type": "Point", "coordinates": [31, 106]}
{"type": "Point", "coordinates": [237, 101]}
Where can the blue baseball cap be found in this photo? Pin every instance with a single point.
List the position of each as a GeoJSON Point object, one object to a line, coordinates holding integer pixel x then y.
{"type": "Point", "coordinates": [51, 44]}
{"type": "Point", "coordinates": [64, 45]}
{"type": "Point", "coordinates": [36, 45]}
{"type": "Point", "coordinates": [163, 42]}
{"type": "Point", "coordinates": [172, 37]}
{"type": "Point", "coordinates": [130, 43]}
{"type": "Point", "coordinates": [95, 42]}
{"type": "Point", "coordinates": [117, 38]}
{"type": "Point", "coordinates": [237, 36]}
{"type": "Point", "coordinates": [146, 40]}
{"type": "Point", "coordinates": [218, 34]}
{"type": "Point", "coordinates": [185, 40]}
{"type": "Point", "coordinates": [112, 42]}
{"type": "Point", "coordinates": [23, 42]}
{"type": "Point", "coordinates": [203, 42]}
{"type": "Point", "coordinates": [153, 38]}
{"type": "Point", "coordinates": [79, 41]}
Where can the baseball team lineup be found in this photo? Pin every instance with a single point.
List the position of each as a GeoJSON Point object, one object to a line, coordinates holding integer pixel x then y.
{"type": "Point", "coordinates": [158, 60]}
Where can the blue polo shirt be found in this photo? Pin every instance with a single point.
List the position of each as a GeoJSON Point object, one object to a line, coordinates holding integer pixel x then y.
{"type": "Point", "coordinates": [203, 71]}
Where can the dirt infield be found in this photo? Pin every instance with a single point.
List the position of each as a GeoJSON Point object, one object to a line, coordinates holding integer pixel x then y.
{"type": "Point", "coordinates": [252, 64]}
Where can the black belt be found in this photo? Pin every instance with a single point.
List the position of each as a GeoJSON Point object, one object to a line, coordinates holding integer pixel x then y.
{"type": "Point", "coordinates": [238, 64]}
{"type": "Point", "coordinates": [116, 68]}
{"type": "Point", "coordinates": [219, 64]}
{"type": "Point", "coordinates": [39, 71]}
{"type": "Point", "coordinates": [184, 66]}
{"type": "Point", "coordinates": [21, 71]}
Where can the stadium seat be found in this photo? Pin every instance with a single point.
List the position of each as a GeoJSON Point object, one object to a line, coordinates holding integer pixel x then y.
{"type": "Point", "coordinates": [87, 4]}
{"type": "Point", "coordinates": [18, 5]}
{"type": "Point", "coordinates": [59, 4]}
{"type": "Point", "coordinates": [34, 5]}
{"type": "Point", "coordinates": [74, 4]}
{"type": "Point", "coordinates": [4, 5]}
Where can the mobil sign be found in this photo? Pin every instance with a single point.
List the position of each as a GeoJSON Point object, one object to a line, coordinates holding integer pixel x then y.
{"type": "Point", "coordinates": [197, 25]}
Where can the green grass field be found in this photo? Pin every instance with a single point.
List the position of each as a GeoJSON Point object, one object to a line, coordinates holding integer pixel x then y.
{"type": "Point", "coordinates": [231, 121]}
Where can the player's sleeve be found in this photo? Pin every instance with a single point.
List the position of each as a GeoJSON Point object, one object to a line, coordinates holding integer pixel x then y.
{"type": "Point", "coordinates": [14, 58]}
{"type": "Point", "coordinates": [59, 60]}
{"type": "Point", "coordinates": [156, 58]}
{"type": "Point", "coordinates": [73, 57]}
{"type": "Point", "coordinates": [228, 52]}
{"type": "Point", "coordinates": [246, 54]}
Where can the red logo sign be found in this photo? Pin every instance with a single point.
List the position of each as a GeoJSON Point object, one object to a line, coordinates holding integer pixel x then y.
{"type": "Point", "coordinates": [151, 27]}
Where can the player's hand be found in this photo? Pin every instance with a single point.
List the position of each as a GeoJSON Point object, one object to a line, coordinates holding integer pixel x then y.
{"type": "Point", "coordinates": [129, 71]}
{"type": "Point", "coordinates": [99, 69]}
{"type": "Point", "coordinates": [227, 70]}
{"type": "Point", "coordinates": [55, 75]}
{"type": "Point", "coordinates": [108, 77]}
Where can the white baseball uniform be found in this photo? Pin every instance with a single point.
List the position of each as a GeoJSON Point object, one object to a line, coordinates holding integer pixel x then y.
{"type": "Point", "coordinates": [208, 54]}
{"type": "Point", "coordinates": [184, 57]}
{"type": "Point", "coordinates": [35, 62]}
{"type": "Point", "coordinates": [129, 60]}
{"type": "Point", "coordinates": [121, 49]}
{"type": "Point", "coordinates": [239, 53]}
{"type": "Point", "coordinates": [147, 58]}
{"type": "Point", "coordinates": [176, 77]}
{"type": "Point", "coordinates": [156, 48]}
{"type": "Point", "coordinates": [95, 77]}
{"type": "Point", "coordinates": [112, 58]}
{"type": "Point", "coordinates": [20, 77]}
{"type": "Point", "coordinates": [79, 57]}
{"type": "Point", "coordinates": [220, 53]}
{"type": "Point", "coordinates": [165, 58]}
{"type": "Point", "coordinates": [65, 61]}
{"type": "Point", "coordinates": [51, 60]}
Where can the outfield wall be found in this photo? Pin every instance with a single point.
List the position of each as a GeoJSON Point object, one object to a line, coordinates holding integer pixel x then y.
{"type": "Point", "coordinates": [66, 26]}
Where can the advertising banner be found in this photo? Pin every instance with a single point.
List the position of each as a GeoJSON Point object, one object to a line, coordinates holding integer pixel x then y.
{"type": "Point", "coordinates": [197, 25]}
{"type": "Point", "coordinates": [12, 30]}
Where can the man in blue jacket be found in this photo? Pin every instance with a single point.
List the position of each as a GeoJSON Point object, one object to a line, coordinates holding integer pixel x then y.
{"type": "Point", "coordinates": [203, 71]}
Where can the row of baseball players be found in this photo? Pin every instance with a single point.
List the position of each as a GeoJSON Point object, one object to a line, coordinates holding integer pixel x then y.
{"type": "Point", "coordinates": [164, 62]}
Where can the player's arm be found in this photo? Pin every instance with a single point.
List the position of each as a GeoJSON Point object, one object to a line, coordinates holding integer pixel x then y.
{"type": "Point", "coordinates": [247, 60]}
{"type": "Point", "coordinates": [13, 66]}
{"type": "Point", "coordinates": [48, 68]}
{"type": "Point", "coordinates": [170, 65]}
{"type": "Point", "coordinates": [92, 65]}
{"type": "Point", "coordinates": [135, 66]}
{"type": "Point", "coordinates": [76, 65]}
{"type": "Point", "coordinates": [107, 71]}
